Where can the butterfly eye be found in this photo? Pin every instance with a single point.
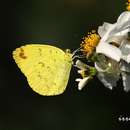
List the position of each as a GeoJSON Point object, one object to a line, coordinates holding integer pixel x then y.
{"type": "Point", "coordinates": [114, 44]}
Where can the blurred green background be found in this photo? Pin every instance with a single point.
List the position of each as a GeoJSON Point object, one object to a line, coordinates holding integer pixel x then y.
{"type": "Point", "coordinates": [61, 23]}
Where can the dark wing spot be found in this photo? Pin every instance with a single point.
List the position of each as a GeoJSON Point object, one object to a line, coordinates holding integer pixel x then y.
{"type": "Point", "coordinates": [48, 67]}
{"type": "Point", "coordinates": [55, 84]}
{"type": "Point", "coordinates": [54, 60]}
{"type": "Point", "coordinates": [40, 51]}
{"type": "Point", "coordinates": [41, 63]}
{"type": "Point", "coordinates": [39, 75]}
{"type": "Point", "coordinates": [22, 54]}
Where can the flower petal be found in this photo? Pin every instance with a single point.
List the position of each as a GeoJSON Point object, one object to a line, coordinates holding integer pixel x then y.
{"type": "Point", "coordinates": [106, 76]}
{"type": "Point", "coordinates": [116, 39]}
{"type": "Point", "coordinates": [82, 82]}
{"type": "Point", "coordinates": [109, 81]}
{"type": "Point", "coordinates": [125, 26]}
{"type": "Point", "coordinates": [125, 50]}
{"type": "Point", "coordinates": [126, 81]}
{"type": "Point", "coordinates": [124, 66]}
{"type": "Point", "coordinates": [102, 29]}
{"type": "Point", "coordinates": [120, 33]}
{"type": "Point", "coordinates": [78, 79]}
{"type": "Point", "coordinates": [123, 19]}
{"type": "Point", "coordinates": [109, 51]}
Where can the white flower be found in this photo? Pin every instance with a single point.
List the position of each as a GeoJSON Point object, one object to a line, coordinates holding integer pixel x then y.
{"type": "Point", "coordinates": [117, 33]}
{"type": "Point", "coordinates": [82, 82]}
{"type": "Point", "coordinates": [118, 56]}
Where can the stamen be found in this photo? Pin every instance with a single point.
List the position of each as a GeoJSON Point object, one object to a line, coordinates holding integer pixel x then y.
{"type": "Point", "coordinates": [89, 43]}
{"type": "Point", "coordinates": [128, 5]}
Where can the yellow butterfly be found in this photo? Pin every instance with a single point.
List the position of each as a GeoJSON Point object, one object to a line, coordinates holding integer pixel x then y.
{"type": "Point", "coordinates": [47, 68]}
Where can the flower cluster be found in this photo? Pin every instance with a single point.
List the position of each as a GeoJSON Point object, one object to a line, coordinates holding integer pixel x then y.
{"type": "Point", "coordinates": [109, 51]}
